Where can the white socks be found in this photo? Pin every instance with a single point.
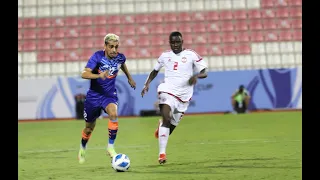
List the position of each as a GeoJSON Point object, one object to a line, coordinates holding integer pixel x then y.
{"type": "Point", "coordinates": [163, 139]}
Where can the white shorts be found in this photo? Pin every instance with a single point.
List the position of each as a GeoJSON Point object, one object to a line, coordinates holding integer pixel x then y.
{"type": "Point", "coordinates": [177, 107]}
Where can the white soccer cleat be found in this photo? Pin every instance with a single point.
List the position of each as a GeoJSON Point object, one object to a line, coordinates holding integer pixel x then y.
{"type": "Point", "coordinates": [81, 155]}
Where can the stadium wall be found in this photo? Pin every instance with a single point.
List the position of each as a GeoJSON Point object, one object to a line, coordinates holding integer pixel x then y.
{"type": "Point", "coordinates": [270, 89]}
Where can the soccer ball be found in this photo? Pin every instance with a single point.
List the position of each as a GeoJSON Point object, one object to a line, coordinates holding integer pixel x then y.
{"type": "Point", "coordinates": [120, 162]}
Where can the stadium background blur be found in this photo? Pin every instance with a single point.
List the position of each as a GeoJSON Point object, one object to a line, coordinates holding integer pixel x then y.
{"type": "Point", "coordinates": [56, 37]}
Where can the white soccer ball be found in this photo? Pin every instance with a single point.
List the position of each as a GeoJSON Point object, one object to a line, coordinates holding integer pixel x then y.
{"type": "Point", "coordinates": [120, 162]}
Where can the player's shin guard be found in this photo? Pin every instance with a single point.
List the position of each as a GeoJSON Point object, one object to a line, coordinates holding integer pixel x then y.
{"type": "Point", "coordinates": [84, 140]}
{"type": "Point", "coordinates": [113, 129]}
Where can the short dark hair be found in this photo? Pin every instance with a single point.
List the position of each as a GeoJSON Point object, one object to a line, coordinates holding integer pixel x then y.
{"type": "Point", "coordinates": [175, 33]}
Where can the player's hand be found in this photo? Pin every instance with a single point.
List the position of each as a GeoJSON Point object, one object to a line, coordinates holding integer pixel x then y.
{"type": "Point", "coordinates": [132, 83]}
{"type": "Point", "coordinates": [193, 80]}
{"type": "Point", "coordinates": [144, 90]}
{"type": "Point", "coordinates": [103, 75]}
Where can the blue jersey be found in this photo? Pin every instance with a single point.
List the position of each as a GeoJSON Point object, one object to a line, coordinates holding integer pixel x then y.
{"type": "Point", "coordinates": [98, 62]}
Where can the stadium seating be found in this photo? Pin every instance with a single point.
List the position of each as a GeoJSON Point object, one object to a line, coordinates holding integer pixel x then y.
{"type": "Point", "coordinates": [222, 32]}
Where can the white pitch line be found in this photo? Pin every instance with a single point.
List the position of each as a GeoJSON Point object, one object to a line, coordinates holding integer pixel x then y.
{"type": "Point", "coordinates": [236, 141]}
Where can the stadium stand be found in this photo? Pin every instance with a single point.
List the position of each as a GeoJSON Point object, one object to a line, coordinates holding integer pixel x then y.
{"type": "Point", "coordinates": [56, 37]}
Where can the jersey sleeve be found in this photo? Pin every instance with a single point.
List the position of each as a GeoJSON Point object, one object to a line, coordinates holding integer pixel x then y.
{"type": "Point", "coordinates": [92, 62]}
{"type": "Point", "coordinates": [198, 62]}
{"type": "Point", "coordinates": [159, 63]}
{"type": "Point", "coordinates": [123, 59]}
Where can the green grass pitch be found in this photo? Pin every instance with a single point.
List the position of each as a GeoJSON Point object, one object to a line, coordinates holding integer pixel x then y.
{"type": "Point", "coordinates": [266, 146]}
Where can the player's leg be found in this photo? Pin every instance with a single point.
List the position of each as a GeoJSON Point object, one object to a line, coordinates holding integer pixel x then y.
{"type": "Point", "coordinates": [111, 108]}
{"type": "Point", "coordinates": [90, 115]}
{"type": "Point", "coordinates": [176, 118]}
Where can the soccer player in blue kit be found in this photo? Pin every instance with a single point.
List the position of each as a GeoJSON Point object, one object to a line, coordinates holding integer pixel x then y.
{"type": "Point", "coordinates": [102, 69]}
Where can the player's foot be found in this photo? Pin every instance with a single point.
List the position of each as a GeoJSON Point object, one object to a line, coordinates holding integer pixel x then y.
{"type": "Point", "coordinates": [82, 156]}
{"type": "Point", "coordinates": [162, 158]}
{"type": "Point", "coordinates": [156, 133]}
{"type": "Point", "coordinates": [111, 152]}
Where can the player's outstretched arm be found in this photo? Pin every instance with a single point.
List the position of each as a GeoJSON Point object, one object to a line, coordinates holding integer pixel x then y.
{"type": "Point", "coordinates": [130, 79]}
{"type": "Point", "coordinates": [151, 76]}
{"type": "Point", "coordinates": [87, 74]}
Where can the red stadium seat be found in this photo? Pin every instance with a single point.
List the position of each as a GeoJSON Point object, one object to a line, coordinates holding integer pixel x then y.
{"type": "Point", "coordinates": [44, 33]}
{"type": "Point", "coordinates": [241, 25]}
{"type": "Point", "coordinates": [229, 50]}
{"type": "Point", "coordinates": [285, 35]}
{"type": "Point", "coordinates": [143, 41]}
{"type": "Point", "coordinates": [156, 29]}
{"type": "Point", "coordinates": [44, 22]}
{"type": "Point", "coordinates": [187, 39]}
{"type": "Point", "coordinates": [198, 16]}
{"type": "Point", "coordinates": [29, 46]}
{"type": "Point", "coordinates": [60, 22]}
{"type": "Point", "coordinates": [271, 36]}
{"type": "Point", "coordinates": [44, 45]}
{"type": "Point", "coordinates": [267, 3]}
{"type": "Point", "coordinates": [244, 49]}
{"type": "Point", "coordinates": [130, 53]}
{"type": "Point", "coordinates": [229, 37]}
{"type": "Point", "coordinates": [184, 17]}
{"type": "Point", "coordinates": [142, 29]}
{"type": "Point", "coordinates": [162, 40]}
{"type": "Point", "coordinates": [20, 35]}
{"type": "Point", "coordinates": [57, 44]}
{"type": "Point", "coordinates": [283, 12]}
{"type": "Point", "coordinates": [29, 23]}
{"type": "Point", "coordinates": [240, 14]}
{"type": "Point", "coordinates": [227, 26]}
{"type": "Point", "coordinates": [71, 21]}
{"type": "Point", "coordinates": [185, 28]}
{"type": "Point", "coordinates": [255, 25]}
{"type": "Point", "coordinates": [72, 43]}
{"type": "Point", "coordinates": [296, 23]}
{"type": "Point", "coordinates": [215, 51]}
{"type": "Point", "coordinates": [86, 43]}
{"type": "Point", "coordinates": [58, 56]}
{"type": "Point", "coordinates": [85, 31]}
{"type": "Point", "coordinates": [128, 30]}
{"type": "Point", "coordinates": [155, 18]}
{"type": "Point", "coordinates": [43, 57]}
{"type": "Point", "coordinates": [200, 39]}
{"type": "Point", "coordinates": [85, 21]}
{"type": "Point", "coordinates": [213, 27]}
{"type": "Point", "coordinates": [198, 27]}
{"type": "Point", "coordinates": [225, 15]}
{"type": "Point", "coordinates": [295, 12]}
{"type": "Point", "coordinates": [254, 14]}
{"type": "Point", "coordinates": [170, 17]}
{"type": "Point", "coordinates": [214, 38]}
{"type": "Point", "coordinates": [257, 36]}
{"type": "Point", "coordinates": [156, 52]}
{"type": "Point", "coordinates": [295, 2]}
{"type": "Point", "coordinates": [243, 37]}
{"type": "Point", "coordinates": [297, 35]}
{"type": "Point", "coordinates": [99, 20]}
{"type": "Point", "coordinates": [212, 16]}
{"type": "Point", "coordinates": [100, 31]}
{"type": "Point", "coordinates": [127, 19]}
{"type": "Point", "coordinates": [71, 32]}
{"type": "Point", "coordinates": [85, 54]}
{"type": "Point", "coordinates": [20, 23]}
{"type": "Point", "coordinates": [168, 28]}
{"type": "Point", "coordinates": [58, 33]}
{"type": "Point", "coordinates": [98, 42]}
{"type": "Point", "coordinates": [268, 13]}
{"type": "Point", "coordinates": [269, 24]}
{"type": "Point", "coordinates": [142, 18]}
{"type": "Point", "coordinates": [284, 23]}
{"type": "Point", "coordinates": [202, 50]}
{"type": "Point", "coordinates": [144, 53]}
{"type": "Point", "coordinates": [127, 41]}
{"type": "Point", "coordinates": [113, 19]}
{"type": "Point", "coordinates": [114, 29]}
{"type": "Point", "coordinates": [29, 34]}
{"type": "Point", "coordinates": [74, 56]}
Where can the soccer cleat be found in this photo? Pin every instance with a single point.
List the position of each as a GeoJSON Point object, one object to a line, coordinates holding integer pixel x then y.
{"type": "Point", "coordinates": [156, 133]}
{"type": "Point", "coordinates": [162, 158]}
{"type": "Point", "coordinates": [111, 152]}
{"type": "Point", "coordinates": [81, 155]}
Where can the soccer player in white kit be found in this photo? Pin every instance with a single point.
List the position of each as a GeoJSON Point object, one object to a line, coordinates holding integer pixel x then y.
{"type": "Point", "coordinates": [182, 69]}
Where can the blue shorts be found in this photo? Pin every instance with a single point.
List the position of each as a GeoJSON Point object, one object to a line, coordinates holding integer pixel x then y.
{"type": "Point", "coordinates": [94, 103]}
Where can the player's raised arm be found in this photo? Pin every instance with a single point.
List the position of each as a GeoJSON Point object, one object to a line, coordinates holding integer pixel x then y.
{"type": "Point", "coordinates": [126, 72]}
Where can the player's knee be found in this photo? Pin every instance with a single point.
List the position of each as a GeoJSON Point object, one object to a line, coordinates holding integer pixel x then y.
{"type": "Point", "coordinates": [88, 130]}
{"type": "Point", "coordinates": [113, 115]}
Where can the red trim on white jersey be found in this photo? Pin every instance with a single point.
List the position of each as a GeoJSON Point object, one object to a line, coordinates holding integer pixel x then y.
{"type": "Point", "coordinates": [200, 58]}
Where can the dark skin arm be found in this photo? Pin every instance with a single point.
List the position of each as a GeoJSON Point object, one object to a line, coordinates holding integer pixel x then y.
{"type": "Point", "coordinates": [193, 80]}
{"type": "Point", "coordinates": [126, 72]}
{"type": "Point", "coordinates": [151, 76]}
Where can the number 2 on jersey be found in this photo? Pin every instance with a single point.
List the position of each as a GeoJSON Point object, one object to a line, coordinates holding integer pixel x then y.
{"type": "Point", "coordinates": [175, 66]}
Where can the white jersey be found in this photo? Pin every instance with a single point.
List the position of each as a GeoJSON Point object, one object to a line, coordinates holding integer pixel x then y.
{"type": "Point", "coordinates": [178, 70]}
